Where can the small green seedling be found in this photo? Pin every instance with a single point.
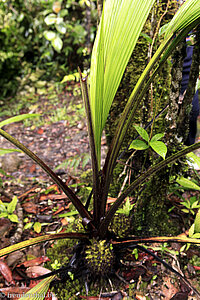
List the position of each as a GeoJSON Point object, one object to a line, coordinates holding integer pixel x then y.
{"type": "Point", "coordinates": [7, 210]}
{"type": "Point", "coordinates": [159, 147]}
{"type": "Point", "coordinates": [73, 162]}
{"type": "Point", "coordinates": [164, 248]}
{"type": "Point", "coordinates": [135, 253]}
{"type": "Point", "coordinates": [36, 226]}
{"type": "Point", "coordinates": [56, 265]}
{"type": "Point", "coordinates": [71, 275]}
{"type": "Point", "coordinates": [127, 207]}
{"type": "Point", "coordinates": [190, 205]}
{"type": "Point", "coordinates": [194, 231]}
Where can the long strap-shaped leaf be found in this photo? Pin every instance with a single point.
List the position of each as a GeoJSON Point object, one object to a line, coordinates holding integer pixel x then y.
{"type": "Point", "coordinates": [95, 169]}
{"type": "Point", "coordinates": [42, 239]}
{"type": "Point", "coordinates": [159, 239]}
{"type": "Point", "coordinates": [140, 88]}
{"type": "Point", "coordinates": [119, 29]}
{"type": "Point", "coordinates": [142, 178]}
{"type": "Point", "coordinates": [18, 119]}
{"type": "Point", "coordinates": [39, 291]}
{"type": "Point", "coordinates": [124, 123]}
{"type": "Point", "coordinates": [131, 107]}
{"type": "Point", "coordinates": [76, 202]}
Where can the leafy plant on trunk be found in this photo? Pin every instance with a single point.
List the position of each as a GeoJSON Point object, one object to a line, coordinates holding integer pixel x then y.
{"type": "Point", "coordinates": [119, 28]}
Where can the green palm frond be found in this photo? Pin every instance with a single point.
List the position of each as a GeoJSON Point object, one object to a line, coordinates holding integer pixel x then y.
{"type": "Point", "coordinates": [178, 28]}
{"type": "Point", "coordinates": [188, 13]}
{"type": "Point", "coordinates": [42, 239]}
{"type": "Point", "coordinates": [39, 291]}
{"type": "Point", "coordinates": [118, 32]}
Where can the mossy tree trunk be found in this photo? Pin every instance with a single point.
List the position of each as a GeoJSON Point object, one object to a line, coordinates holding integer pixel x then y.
{"type": "Point", "coordinates": [151, 210]}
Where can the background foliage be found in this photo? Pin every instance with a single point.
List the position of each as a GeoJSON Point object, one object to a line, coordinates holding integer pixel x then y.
{"type": "Point", "coordinates": [42, 40]}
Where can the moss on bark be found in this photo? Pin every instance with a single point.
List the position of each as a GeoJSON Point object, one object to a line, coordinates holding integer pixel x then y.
{"type": "Point", "coordinates": [151, 217]}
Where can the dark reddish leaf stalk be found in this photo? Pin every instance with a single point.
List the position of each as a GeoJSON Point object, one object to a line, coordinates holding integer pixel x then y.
{"type": "Point", "coordinates": [95, 168]}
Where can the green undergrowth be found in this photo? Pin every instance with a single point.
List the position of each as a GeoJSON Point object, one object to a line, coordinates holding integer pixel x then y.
{"type": "Point", "coordinates": [195, 261]}
{"type": "Point", "coordinates": [55, 102]}
{"type": "Point", "coordinates": [84, 192]}
{"type": "Point", "coordinates": [61, 252]}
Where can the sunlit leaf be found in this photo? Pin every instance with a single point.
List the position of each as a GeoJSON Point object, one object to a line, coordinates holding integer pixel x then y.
{"type": "Point", "coordinates": [64, 12]}
{"type": "Point", "coordinates": [178, 239]}
{"type": "Point", "coordinates": [191, 231]}
{"type": "Point", "coordinates": [198, 84]}
{"type": "Point", "coordinates": [187, 13]}
{"type": "Point", "coordinates": [61, 28]}
{"type": "Point", "coordinates": [127, 207]}
{"type": "Point", "coordinates": [186, 19]}
{"type": "Point", "coordinates": [147, 37]}
{"type": "Point", "coordinates": [142, 132]}
{"type": "Point", "coordinates": [187, 183]}
{"type": "Point", "coordinates": [157, 137]}
{"type": "Point", "coordinates": [182, 248]}
{"type": "Point", "coordinates": [72, 77]}
{"type": "Point", "coordinates": [37, 227]}
{"type": "Point", "coordinates": [163, 29]}
{"type": "Point", "coordinates": [3, 215]}
{"type": "Point", "coordinates": [50, 19]}
{"type": "Point", "coordinates": [5, 151]}
{"type": "Point", "coordinates": [197, 222]}
{"type": "Point", "coordinates": [59, 20]}
{"type": "Point", "coordinates": [28, 225]}
{"type": "Point", "coordinates": [185, 210]}
{"type": "Point", "coordinates": [13, 218]}
{"type": "Point", "coordinates": [194, 158]}
{"type": "Point", "coordinates": [57, 43]}
{"type": "Point", "coordinates": [2, 205]}
{"type": "Point", "coordinates": [195, 204]}
{"type": "Point", "coordinates": [49, 35]}
{"type": "Point", "coordinates": [159, 147]}
{"type": "Point", "coordinates": [138, 145]}
{"type": "Point", "coordinates": [18, 119]}
{"type": "Point", "coordinates": [68, 214]}
{"type": "Point", "coordinates": [67, 78]}
{"type": "Point", "coordinates": [196, 235]}
{"type": "Point", "coordinates": [12, 205]}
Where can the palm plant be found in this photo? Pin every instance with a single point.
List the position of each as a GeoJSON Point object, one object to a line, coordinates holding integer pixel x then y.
{"type": "Point", "coordinates": [119, 28]}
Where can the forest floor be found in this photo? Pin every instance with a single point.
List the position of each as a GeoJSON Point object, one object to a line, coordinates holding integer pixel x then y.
{"type": "Point", "coordinates": [58, 138]}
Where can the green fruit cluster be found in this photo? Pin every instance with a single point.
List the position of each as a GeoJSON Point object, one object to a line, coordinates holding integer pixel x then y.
{"type": "Point", "coordinates": [99, 257]}
{"type": "Point", "coordinates": [121, 225]}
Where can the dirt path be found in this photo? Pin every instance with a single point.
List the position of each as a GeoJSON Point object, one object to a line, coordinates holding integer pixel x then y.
{"type": "Point", "coordinates": [54, 143]}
